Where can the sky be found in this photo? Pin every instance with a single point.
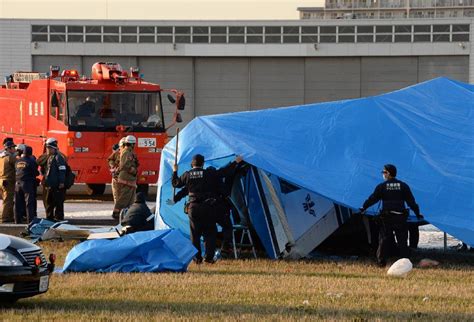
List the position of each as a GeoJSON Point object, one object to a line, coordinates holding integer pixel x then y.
{"type": "Point", "coordinates": [155, 9]}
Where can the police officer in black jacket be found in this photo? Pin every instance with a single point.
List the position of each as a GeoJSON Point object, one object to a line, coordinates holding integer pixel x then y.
{"type": "Point", "coordinates": [53, 166]}
{"type": "Point", "coordinates": [203, 186]}
{"type": "Point", "coordinates": [393, 216]}
{"type": "Point", "coordinates": [25, 187]}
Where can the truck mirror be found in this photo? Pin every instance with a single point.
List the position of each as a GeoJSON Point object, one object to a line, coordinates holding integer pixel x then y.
{"type": "Point", "coordinates": [171, 99]}
{"type": "Point", "coordinates": [181, 101]}
{"type": "Point", "coordinates": [178, 118]}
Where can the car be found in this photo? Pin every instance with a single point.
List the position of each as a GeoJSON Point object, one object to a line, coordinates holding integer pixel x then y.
{"type": "Point", "coordinates": [24, 271]}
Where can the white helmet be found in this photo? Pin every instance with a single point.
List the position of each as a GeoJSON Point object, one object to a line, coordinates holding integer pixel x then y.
{"type": "Point", "coordinates": [21, 147]}
{"type": "Point", "coordinates": [52, 143]}
{"type": "Point", "coordinates": [130, 139]}
{"type": "Point", "coordinates": [122, 141]}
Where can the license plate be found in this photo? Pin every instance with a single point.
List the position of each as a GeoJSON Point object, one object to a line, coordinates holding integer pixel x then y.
{"type": "Point", "coordinates": [44, 283]}
{"type": "Point", "coordinates": [146, 142]}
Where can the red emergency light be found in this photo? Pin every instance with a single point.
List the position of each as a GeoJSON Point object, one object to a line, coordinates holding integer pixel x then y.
{"type": "Point", "coordinates": [69, 74]}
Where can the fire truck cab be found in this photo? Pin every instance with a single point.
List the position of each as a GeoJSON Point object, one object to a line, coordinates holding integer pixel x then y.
{"type": "Point", "coordinates": [88, 116]}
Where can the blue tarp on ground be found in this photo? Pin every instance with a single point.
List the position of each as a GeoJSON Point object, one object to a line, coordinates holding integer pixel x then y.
{"type": "Point", "coordinates": [337, 149]}
{"type": "Point", "coordinates": [148, 251]}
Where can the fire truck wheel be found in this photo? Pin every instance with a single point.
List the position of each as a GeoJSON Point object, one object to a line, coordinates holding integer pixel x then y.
{"type": "Point", "coordinates": [143, 188]}
{"type": "Point", "coordinates": [95, 189]}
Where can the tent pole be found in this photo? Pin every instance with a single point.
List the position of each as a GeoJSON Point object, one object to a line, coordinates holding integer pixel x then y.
{"type": "Point", "coordinates": [445, 242]}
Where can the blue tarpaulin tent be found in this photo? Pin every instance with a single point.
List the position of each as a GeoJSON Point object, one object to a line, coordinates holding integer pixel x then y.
{"type": "Point", "coordinates": [147, 251]}
{"type": "Point", "coordinates": [337, 149]}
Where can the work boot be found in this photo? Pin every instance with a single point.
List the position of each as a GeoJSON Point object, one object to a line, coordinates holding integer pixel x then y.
{"type": "Point", "coordinates": [115, 215]}
{"type": "Point", "coordinates": [197, 260]}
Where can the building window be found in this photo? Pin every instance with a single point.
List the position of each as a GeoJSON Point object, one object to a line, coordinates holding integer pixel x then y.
{"type": "Point", "coordinates": [365, 38]}
{"type": "Point", "coordinates": [111, 30]}
{"type": "Point", "coordinates": [75, 38]}
{"type": "Point", "coordinates": [345, 38]}
{"type": "Point", "coordinates": [440, 37]}
{"type": "Point", "coordinates": [441, 28]}
{"type": "Point", "coordinates": [460, 37]}
{"type": "Point", "coordinates": [422, 28]}
{"type": "Point", "coordinates": [327, 29]}
{"type": "Point", "coordinates": [402, 38]}
{"type": "Point", "coordinates": [93, 38]}
{"type": "Point", "coordinates": [403, 29]}
{"type": "Point", "coordinates": [218, 30]}
{"type": "Point", "coordinates": [129, 39]}
{"type": "Point", "coordinates": [346, 29]}
{"type": "Point", "coordinates": [383, 38]}
{"type": "Point", "coordinates": [111, 38]}
{"type": "Point", "coordinates": [294, 30]}
{"type": "Point", "coordinates": [327, 39]}
{"type": "Point", "coordinates": [309, 39]}
{"type": "Point", "coordinates": [218, 39]}
{"type": "Point", "coordinates": [200, 30]}
{"type": "Point", "coordinates": [93, 29]}
{"type": "Point", "coordinates": [309, 30]}
{"type": "Point", "coordinates": [291, 39]}
{"type": "Point", "coordinates": [365, 29]}
{"type": "Point", "coordinates": [39, 28]}
{"type": "Point", "coordinates": [422, 38]}
{"type": "Point", "coordinates": [236, 39]}
{"type": "Point", "coordinates": [200, 39]}
{"type": "Point", "coordinates": [252, 30]}
{"type": "Point", "coordinates": [146, 39]}
{"type": "Point", "coordinates": [146, 30]}
{"type": "Point", "coordinates": [459, 28]}
{"type": "Point", "coordinates": [164, 30]}
{"type": "Point", "coordinates": [254, 39]}
{"type": "Point", "coordinates": [383, 29]}
{"type": "Point", "coordinates": [164, 39]}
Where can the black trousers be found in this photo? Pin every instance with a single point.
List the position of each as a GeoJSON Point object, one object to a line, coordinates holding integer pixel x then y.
{"type": "Point", "coordinates": [414, 234]}
{"type": "Point", "coordinates": [25, 201]}
{"type": "Point", "coordinates": [202, 223]}
{"type": "Point", "coordinates": [53, 199]}
{"type": "Point", "coordinates": [223, 220]}
{"type": "Point", "coordinates": [388, 225]}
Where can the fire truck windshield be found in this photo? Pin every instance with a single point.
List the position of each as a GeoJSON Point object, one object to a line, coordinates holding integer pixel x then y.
{"type": "Point", "coordinates": [103, 111]}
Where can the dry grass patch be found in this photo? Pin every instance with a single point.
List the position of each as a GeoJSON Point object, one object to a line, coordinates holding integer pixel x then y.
{"type": "Point", "coordinates": [257, 289]}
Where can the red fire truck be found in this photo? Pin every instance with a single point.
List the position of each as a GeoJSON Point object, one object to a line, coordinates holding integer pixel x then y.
{"type": "Point", "coordinates": [88, 116]}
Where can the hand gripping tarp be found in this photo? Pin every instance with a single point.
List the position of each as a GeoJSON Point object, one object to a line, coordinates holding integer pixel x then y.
{"type": "Point", "coordinates": [337, 149]}
{"type": "Point", "coordinates": [148, 251]}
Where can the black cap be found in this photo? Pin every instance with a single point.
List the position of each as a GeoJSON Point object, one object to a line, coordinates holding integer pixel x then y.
{"type": "Point", "coordinates": [391, 169]}
{"type": "Point", "coordinates": [115, 147]}
{"type": "Point", "coordinates": [198, 160]}
{"type": "Point", "coordinates": [140, 197]}
{"type": "Point", "coordinates": [9, 144]}
{"type": "Point", "coordinates": [28, 151]}
{"type": "Point", "coordinates": [5, 140]}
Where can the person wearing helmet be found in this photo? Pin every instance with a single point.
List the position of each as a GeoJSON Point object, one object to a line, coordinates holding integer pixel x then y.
{"type": "Point", "coordinates": [7, 180]}
{"type": "Point", "coordinates": [20, 149]}
{"type": "Point", "coordinates": [53, 168]}
{"type": "Point", "coordinates": [127, 176]}
{"type": "Point", "coordinates": [25, 186]}
{"type": "Point", "coordinates": [114, 161]}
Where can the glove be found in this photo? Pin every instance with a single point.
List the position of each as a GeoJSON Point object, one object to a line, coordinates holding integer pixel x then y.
{"type": "Point", "coordinates": [5, 183]}
{"type": "Point", "coordinates": [362, 210]}
{"type": "Point", "coordinates": [170, 202]}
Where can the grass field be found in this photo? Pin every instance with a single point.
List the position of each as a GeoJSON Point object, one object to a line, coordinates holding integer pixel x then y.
{"type": "Point", "coordinates": [258, 289]}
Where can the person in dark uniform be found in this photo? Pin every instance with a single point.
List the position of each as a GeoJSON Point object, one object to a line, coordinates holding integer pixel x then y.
{"type": "Point", "coordinates": [138, 216]}
{"type": "Point", "coordinates": [222, 210]}
{"type": "Point", "coordinates": [393, 216]}
{"type": "Point", "coordinates": [53, 168]}
{"type": "Point", "coordinates": [25, 186]}
{"type": "Point", "coordinates": [203, 186]}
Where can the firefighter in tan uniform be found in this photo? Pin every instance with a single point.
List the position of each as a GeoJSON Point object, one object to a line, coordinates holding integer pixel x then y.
{"type": "Point", "coordinates": [7, 180]}
{"type": "Point", "coordinates": [114, 162]}
{"type": "Point", "coordinates": [127, 176]}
